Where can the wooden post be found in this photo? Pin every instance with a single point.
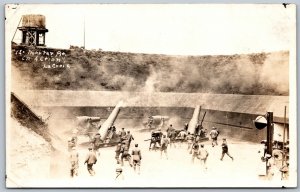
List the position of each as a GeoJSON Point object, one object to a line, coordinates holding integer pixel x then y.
{"type": "Point", "coordinates": [270, 132]}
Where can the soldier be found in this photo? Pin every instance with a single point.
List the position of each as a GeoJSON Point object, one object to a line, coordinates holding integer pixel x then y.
{"type": "Point", "coordinates": [96, 142]}
{"type": "Point", "coordinates": [214, 136]}
{"type": "Point", "coordinates": [170, 128]}
{"type": "Point", "coordinates": [125, 154]}
{"type": "Point", "coordinates": [150, 122]}
{"type": "Point", "coordinates": [90, 160]}
{"type": "Point", "coordinates": [137, 157]}
{"type": "Point", "coordinates": [203, 154]}
{"type": "Point", "coordinates": [181, 136]}
{"type": "Point", "coordinates": [74, 158]}
{"type": "Point", "coordinates": [71, 144]}
{"type": "Point", "coordinates": [225, 150]}
{"type": "Point", "coordinates": [195, 151]}
{"type": "Point", "coordinates": [172, 138]}
{"type": "Point", "coordinates": [118, 152]}
{"type": "Point", "coordinates": [190, 139]}
{"type": "Point", "coordinates": [123, 134]}
{"type": "Point", "coordinates": [285, 170]}
{"type": "Point", "coordinates": [164, 146]}
{"type": "Point", "coordinates": [129, 138]}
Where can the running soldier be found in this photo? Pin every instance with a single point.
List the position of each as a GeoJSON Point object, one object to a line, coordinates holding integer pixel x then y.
{"type": "Point", "coordinates": [118, 152]}
{"type": "Point", "coordinates": [129, 138]}
{"type": "Point", "coordinates": [214, 136]}
{"type": "Point", "coordinates": [164, 146]}
{"type": "Point", "coordinates": [74, 159]}
{"type": "Point", "coordinates": [203, 154]}
{"type": "Point", "coordinates": [195, 151]}
{"type": "Point", "coordinates": [96, 142]}
{"type": "Point", "coordinates": [137, 157]}
{"type": "Point", "coordinates": [90, 160]}
{"type": "Point", "coordinates": [225, 150]}
{"type": "Point", "coordinates": [125, 154]}
{"type": "Point", "coordinates": [189, 139]}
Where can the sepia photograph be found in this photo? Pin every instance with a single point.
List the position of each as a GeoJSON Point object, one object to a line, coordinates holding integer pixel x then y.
{"type": "Point", "coordinates": [150, 95]}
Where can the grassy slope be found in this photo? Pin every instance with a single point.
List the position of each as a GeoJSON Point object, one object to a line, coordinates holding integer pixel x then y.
{"type": "Point", "coordinates": [261, 73]}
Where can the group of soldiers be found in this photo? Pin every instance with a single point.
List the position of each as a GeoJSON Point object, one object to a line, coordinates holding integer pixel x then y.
{"type": "Point", "coordinates": [159, 140]}
{"type": "Point", "coordinates": [96, 142]}
{"type": "Point", "coordinates": [197, 150]}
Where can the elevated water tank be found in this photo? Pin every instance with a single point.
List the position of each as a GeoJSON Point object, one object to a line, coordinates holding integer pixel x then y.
{"type": "Point", "coordinates": [33, 30]}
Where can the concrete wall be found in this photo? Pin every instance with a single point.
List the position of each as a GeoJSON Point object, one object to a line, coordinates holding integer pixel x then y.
{"type": "Point", "coordinates": [230, 124]}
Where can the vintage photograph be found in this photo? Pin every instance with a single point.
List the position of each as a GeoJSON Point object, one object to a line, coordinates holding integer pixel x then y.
{"type": "Point", "coordinates": [150, 95]}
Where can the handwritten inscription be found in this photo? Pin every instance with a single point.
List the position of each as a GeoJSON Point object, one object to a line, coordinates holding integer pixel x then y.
{"type": "Point", "coordinates": [47, 58]}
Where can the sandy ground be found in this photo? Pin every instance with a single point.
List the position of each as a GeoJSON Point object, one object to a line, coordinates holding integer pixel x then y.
{"type": "Point", "coordinates": [28, 155]}
{"type": "Point", "coordinates": [177, 171]}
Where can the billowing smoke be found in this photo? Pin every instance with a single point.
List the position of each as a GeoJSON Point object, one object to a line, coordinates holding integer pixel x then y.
{"type": "Point", "coordinates": [238, 74]}
{"type": "Point", "coordinates": [253, 74]}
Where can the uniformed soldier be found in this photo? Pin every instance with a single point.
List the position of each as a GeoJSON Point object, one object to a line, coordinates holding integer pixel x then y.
{"type": "Point", "coordinates": [71, 144]}
{"type": "Point", "coordinates": [74, 159]}
{"type": "Point", "coordinates": [189, 139]}
{"type": "Point", "coordinates": [118, 152]}
{"type": "Point", "coordinates": [203, 154]}
{"type": "Point", "coordinates": [225, 150]}
{"type": "Point", "coordinates": [172, 137]}
{"type": "Point", "coordinates": [181, 136]}
{"type": "Point", "coordinates": [125, 154]}
{"type": "Point", "coordinates": [136, 157]}
{"type": "Point", "coordinates": [169, 129]}
{"type": "Point", "coordinates": [90, 160]}
{"type": "Point", "coordinates": [214, 136]}
{"type": "Point", "coordinates": [164, 146]}
{"type": "Point", "coordinates": [123, 134]}
{"type": "Point", "coordinates": [129, 138]}
{"type": "Point", "coordinates": [96, 142]}
{"type": "Point", "coordinates": [150, 122]}
{"type": "Point", "coordinates": [195, 150]}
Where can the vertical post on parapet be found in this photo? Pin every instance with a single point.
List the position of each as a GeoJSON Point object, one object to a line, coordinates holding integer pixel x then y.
{"type": "Point", "coordinates": [270, 132]}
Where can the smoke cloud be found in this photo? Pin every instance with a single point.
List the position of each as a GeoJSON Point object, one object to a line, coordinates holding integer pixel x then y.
{"type": "Point", "coordinates": [253, 74]}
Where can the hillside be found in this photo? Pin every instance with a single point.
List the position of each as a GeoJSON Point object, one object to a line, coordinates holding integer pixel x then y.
{"type": "Point", "coordinates": [78, 69]}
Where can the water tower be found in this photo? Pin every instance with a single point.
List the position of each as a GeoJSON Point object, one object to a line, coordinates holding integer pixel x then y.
{"type": "Point", "coordinates": [33, 30]}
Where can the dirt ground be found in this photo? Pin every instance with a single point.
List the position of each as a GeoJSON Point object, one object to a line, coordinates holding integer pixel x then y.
{"type": "Point", "coordinates": [176, 171]}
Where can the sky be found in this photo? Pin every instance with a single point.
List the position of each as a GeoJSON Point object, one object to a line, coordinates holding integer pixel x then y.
{"type": "Point", "coordinates": [182, 29]}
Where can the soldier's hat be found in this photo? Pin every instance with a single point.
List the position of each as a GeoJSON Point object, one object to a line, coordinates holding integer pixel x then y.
{"type": "Point", "coordinates": [202, 145]}
{"type": "Point", "coordinates": [97, 133]}
{"type": "Point", "coordinates": [119, 170]}
{"type": "Point", "coordinates": [224, 139]}
{"type": "Point", "coordinates": [90, 148]}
